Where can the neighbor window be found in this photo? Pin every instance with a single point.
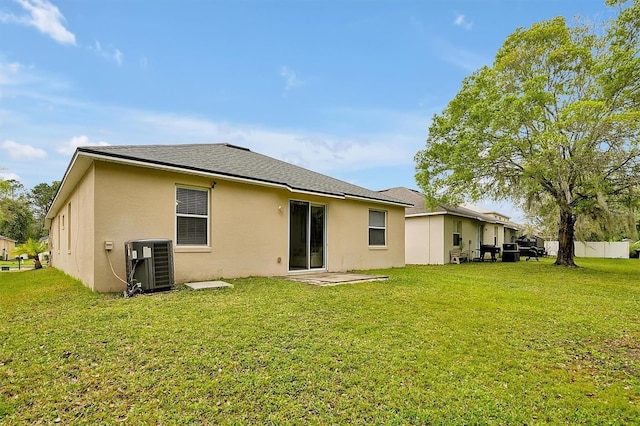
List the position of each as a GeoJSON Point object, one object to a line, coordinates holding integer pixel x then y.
{"type": "Point", "coordinates": [377, 228]}
{"type": "Point", "coordinates": [192, 216]}
{"type": "Point", "coordinates": [457, 233]}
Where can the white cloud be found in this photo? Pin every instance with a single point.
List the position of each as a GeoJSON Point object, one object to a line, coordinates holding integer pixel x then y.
{"type": "Point", "coordinates": [465, 59]}
{"type": "Point", "coordinates": [47, 18]}
{"type": "Point", "coordinates": [14, 67]}
{"type": "Point", "coordinates": [291, 80]}
{"type": "Point", "coordinates": [319, 152]}
{"type": "Point", "coordinates": [9, 72]}
{"type": "Point", "coordinates": [9, 176]}
{"type": "Point", "coordinates": [117, 56]}
{"type": "Point", "coordinates": [109, 52]}
{"type": "Point", "coordinates": [44, 16]}
{"type": "Point", "coordinates": [25, 81]}
{"type": "Point", "coordinates": [462, 58]}
{"type": "Point", "coordinates": [461, 21]}
{"type": "Point", "coordinates": [69, 147]}
{"type": "Point", "coordinates": [19, 152]}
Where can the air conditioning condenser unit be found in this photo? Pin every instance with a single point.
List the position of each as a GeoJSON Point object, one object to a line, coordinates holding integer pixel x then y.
{"type": "Point", "coordinates": [149, 265]}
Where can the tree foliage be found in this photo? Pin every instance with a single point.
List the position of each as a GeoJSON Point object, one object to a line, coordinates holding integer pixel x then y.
{"type": "Point", "coordinates": [553, 124]}
{"type": "Point", "coordinates": [4, 188]}
{"type": "Point", "coordinates": [13, 189]}
{"type": "Point", "coordinates": [17, 220]}
{"type": "Point", "coordinates": [31, 248]}
{"type": "Point", "coordinates": [22, 212]}
{"type": "Point", "coordinates": [41, 197]}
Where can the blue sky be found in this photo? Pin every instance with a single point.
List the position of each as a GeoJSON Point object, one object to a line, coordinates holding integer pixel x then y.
{"type": "Point", "coordinates": [346, 88]}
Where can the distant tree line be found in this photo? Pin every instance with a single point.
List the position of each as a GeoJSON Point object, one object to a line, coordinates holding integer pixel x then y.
{"type": "Point", "coordinates": [22, 212]}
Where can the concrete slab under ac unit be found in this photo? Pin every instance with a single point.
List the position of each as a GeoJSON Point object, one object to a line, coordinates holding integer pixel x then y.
{"type": "Point", "coordinates": [208, 284]}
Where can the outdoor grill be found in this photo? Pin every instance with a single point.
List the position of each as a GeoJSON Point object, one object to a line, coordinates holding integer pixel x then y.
{"type": "Point", "coordinates": [491, 249]}
{"type": "Point", "coordinates": [510, 252]}
{"type": "Point", "coordinates": [531, 248]}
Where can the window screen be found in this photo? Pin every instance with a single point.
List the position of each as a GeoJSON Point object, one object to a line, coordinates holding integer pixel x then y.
{"type": "Point", "coordinates": [457, 232]}
{"type": "Point", "coordinates": [377, 228]}
{"type": "Point", "coordinates": [192, 216]}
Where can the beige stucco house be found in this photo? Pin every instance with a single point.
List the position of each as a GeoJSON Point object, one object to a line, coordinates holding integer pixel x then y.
{"type": "Point", "coordinates": [7, 245]}
{"type": "Point", "coordinates": [229, 212]}
{"type": "Point", "coordinates": [432, 235]}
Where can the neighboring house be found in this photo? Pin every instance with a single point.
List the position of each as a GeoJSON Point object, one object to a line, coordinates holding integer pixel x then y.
{"type": "Point", "coordinates": [44, 256]}
{"type": "Point", "coordinates": [230, 212]}
{"type": "Point", "coordinates": [431, 235]}
{"type": "Point", "coordinates": [7, 245]}
{"type": "Point", "coordinates": [512, 230]}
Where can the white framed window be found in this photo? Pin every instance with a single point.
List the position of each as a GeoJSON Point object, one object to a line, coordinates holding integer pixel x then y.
{"type": "Point", "coordinates": [192, 216]}
{"type": "Point", "coordinates": [457, 233]}
{"type": "Point", "coordinates": [377, 228]}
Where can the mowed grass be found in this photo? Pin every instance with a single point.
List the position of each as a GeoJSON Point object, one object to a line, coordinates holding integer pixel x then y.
{"type": "Point", "coordinates": [13, 264]}
{"type": "Point", "coordinates": [503, 343]}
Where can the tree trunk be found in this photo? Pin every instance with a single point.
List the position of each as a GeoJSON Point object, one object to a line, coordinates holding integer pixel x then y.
{"type": "Point", "coordinates": [566, 233]}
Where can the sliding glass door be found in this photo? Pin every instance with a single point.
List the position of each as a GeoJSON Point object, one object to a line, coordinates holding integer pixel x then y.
{"type": "Point", "coordinates": [307, 224]}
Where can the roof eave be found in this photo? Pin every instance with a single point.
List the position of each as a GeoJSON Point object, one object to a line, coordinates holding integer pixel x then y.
{"type": "Point", "coordinates": [83, 158]}
{"type": "Point", "coordinates": [452, 213]}
{"type": "Point", "coordinates": [378, 201]}
{"type": "Point", "coordinates": [76, 169]}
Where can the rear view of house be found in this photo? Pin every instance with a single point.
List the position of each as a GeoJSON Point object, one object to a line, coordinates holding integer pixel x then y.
{"type": "Point", "coordinates": [228, 211]}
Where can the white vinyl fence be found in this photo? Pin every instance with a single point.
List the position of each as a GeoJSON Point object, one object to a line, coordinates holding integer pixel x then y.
{"type": "Point", "coordinates": [619, 250]}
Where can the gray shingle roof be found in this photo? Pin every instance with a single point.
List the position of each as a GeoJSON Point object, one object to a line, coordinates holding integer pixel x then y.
{"type": "Point", "coordinates": [419, 205]}
{"type": "Point", "coordinates": [233, 161]}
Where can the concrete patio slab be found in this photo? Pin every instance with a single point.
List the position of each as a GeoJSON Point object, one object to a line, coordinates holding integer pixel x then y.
{"type": "Point", "coordinates": [208, 284]}
{"type": "Point", "coordinates": [333, 278]}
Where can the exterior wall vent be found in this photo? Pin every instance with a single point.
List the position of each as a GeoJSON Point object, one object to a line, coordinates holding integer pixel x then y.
{"type": "Point", "coordinates": [149, 265]}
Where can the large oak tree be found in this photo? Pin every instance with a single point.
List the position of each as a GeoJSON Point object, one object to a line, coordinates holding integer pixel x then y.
{"type": "Point", "coordinates": [553, 123]}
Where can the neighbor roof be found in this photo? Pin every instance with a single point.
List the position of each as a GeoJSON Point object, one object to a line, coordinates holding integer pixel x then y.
{"type": "Point", "coordinates": [420, 208]}
{"type": "Point", "coordinates": [223, 161]}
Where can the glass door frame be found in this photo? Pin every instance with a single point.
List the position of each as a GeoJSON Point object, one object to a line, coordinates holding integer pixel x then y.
{"type": "Point", "coordinates": [309, 222]}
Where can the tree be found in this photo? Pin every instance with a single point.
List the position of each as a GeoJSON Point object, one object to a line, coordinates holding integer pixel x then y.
{"type": "Point", "coordinates": [41, 197]}
{"type": "Point", "coordinates": [17, 220]}
{"type": "Point", "coordinates": [554, 122]}
{"type": "Point", "coordinates": [4, 188]}
{"type": "Point", "coordinates": [31, 248]}
{"type": "Point", "coordinates": [613, 226]}
{"type": "Point", "coordinates": [14, 189]}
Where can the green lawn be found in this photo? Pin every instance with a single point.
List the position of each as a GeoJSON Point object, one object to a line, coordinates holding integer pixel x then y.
{"type": "Point", "coordinates": [503, 343]}
{"type": "Point", "coordinates": [13, 264]}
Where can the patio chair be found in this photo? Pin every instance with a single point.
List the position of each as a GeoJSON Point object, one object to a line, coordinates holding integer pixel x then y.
{"type": "Point", "coordinates": [458, 256]}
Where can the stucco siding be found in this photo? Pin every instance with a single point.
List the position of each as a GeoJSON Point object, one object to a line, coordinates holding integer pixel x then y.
{"type": "Point", "coordinates": [470, 235]}
{"type": "Point", "coordinates": [510, 235]}
{"type": "Point", "coordinates": [417, 241]}
{"type": "Point", "coordinates": [424, 240]}
{"type": "Point", "coordinates": [348, 237]}
{"type": "Point", "coordinates": [71, 234]}
{"type": "Point", "coordinates": [131, 203]}
{"type": "Point", "coordinates": [429, 238]}
{"type": "Point", "coordinates": [248, 232]}
{"type": "Point", "coordinates": [6, 247]}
